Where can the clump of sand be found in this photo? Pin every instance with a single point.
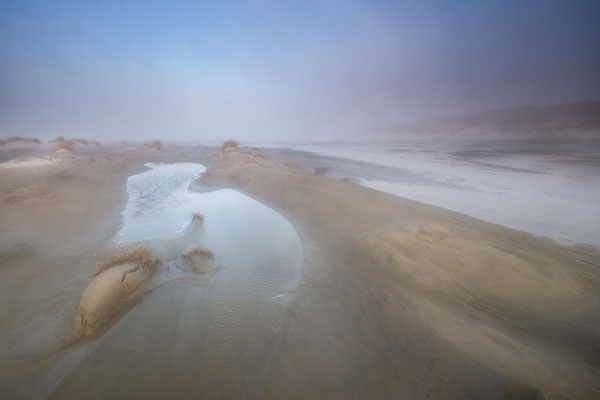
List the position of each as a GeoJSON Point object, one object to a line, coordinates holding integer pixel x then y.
{"type": "Point", "coordinates": [197, 217]}
{"type": "Point", "coordinates": [154, 145]}
{"type": "Point", "coordinates": [62, 147]}
{"type": "Point", "coordinates": [230, 145]}
{"type": "Point", "coordinates": [197, 259]}
{"type": "Point", "coordinates": [117, 281]}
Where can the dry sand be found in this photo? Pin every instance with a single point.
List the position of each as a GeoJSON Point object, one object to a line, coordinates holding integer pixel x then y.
{"type": "Point", "coordinates": [398, 299]}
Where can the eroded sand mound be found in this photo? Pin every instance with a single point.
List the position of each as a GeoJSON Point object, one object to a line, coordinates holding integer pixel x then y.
{"type": "Point", "coordinates": [112, 288]}
{"type": "Point", "coordinates": [465, 265]}
{"type": "Point", "coordinates": [107, 294]}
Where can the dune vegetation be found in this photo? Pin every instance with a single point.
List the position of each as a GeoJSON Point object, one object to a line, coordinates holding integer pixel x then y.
{"type": "Point", "coordinates": [233, 144]}
{"type": "Point", "coordinates": [64, 146]}
{"type": "Point", "coordinates": [138, 256]}
{"type": "Point", "coordinates": [198, 251]}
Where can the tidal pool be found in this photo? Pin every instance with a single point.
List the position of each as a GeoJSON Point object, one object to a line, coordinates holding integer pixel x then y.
{"type": "Point", "coordinates": [193, 340]}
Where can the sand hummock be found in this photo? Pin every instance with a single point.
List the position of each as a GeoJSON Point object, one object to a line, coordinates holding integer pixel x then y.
{"type": "Point", "coordinates": [117, 282]}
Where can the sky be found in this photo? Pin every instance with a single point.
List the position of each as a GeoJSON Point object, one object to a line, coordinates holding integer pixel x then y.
{"type": "Point", "coordinates": [279, 70]}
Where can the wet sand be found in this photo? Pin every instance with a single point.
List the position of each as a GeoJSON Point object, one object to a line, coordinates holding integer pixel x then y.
{"type": "Point", "coordinates": [397, 300]}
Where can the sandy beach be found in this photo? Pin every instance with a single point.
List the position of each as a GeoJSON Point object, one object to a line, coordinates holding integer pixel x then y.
{"type": "Point", "coordinates": [396, 299]}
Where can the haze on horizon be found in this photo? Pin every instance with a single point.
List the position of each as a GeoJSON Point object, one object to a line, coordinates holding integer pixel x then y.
{"type": "Point", "coordinates": [283, 70]}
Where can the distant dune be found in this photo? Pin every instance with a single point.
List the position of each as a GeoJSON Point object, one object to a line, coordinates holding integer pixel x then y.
{"type": "Point", "coordinates": [578, 120]}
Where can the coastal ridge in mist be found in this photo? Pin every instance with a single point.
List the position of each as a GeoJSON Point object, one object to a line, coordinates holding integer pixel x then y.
{"type": "Point", "coordinates": [576, 120]}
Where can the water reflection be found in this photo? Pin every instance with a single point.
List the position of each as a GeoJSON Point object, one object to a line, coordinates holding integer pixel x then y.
{"type": "Point", "coordinates": [192, 340]}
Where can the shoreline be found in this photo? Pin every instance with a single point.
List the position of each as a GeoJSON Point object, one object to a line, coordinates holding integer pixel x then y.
{"type": "Point", "coordinates": [363, 320]}
{"type": "Point", "coordinates": [520, 188]}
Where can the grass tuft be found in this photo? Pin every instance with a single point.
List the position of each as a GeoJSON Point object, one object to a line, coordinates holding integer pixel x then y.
{"type": "Point", "coordinates": [198, 251]}
{"type": "Point", "coordinates": [138, 256]}
{"type": "Point", "coordinates": [230, 144]}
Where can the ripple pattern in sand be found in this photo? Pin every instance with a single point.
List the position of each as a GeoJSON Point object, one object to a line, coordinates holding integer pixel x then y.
{"type": "Point", "coordinates": [189, 341]}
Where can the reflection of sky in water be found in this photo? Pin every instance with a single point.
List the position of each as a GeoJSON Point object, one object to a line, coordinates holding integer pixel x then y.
{"type": "Point", "coordinates": [549, 189]}
{"type": "Point", "coordinates": [239, 229]}
{"type": "Point", "coordinates": [157, 206]}
{"type": "Point", "coordinates": [201, 331]}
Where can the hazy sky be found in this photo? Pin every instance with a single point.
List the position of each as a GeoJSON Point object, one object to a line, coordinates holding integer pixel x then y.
{"type": "Point", "coordinates": [287, 70]}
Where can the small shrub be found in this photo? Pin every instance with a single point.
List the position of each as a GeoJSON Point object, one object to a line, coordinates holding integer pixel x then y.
{"type": "Point", "coordinates": [156, 144]}
{"type": "Point", "coordinates": [82, 141]}
{"type": "Point", "coordinates": [138, 256]}
{"type": "Point", "coordinates": [64, 146]}
{"type": "Point", "coordinates": [230, 144]}
{"type": "Point", "coordinates": [198, 251]}
{"type": "Point", "coordinates": [197, 217]}
{"type": "Point", "coordinates": [96, 143]}
{"type": "Point", "coordinates": [59, 139]}
{"type": "Point", "coordinates": [124, 143]}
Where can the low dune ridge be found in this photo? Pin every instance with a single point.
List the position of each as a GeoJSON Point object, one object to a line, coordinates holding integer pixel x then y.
{"type": "Point", "coordinates": [466, 265]}
{"type": "Point", "coordinates": [18, 139]}
{"type": "Point", "coordinates": [32, 162]}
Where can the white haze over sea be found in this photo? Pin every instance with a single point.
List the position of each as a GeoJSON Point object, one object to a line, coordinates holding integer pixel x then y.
{"type": "Point", "coordinates": [548, 189]}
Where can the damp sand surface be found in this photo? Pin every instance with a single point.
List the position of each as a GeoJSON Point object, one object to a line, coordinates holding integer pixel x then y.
{"type": "Point", "coordinates": [201, 323]}
{"type": "Point", "coordinates": [395, 298]}
{"type": "Point", "coordinates": [203, 327]}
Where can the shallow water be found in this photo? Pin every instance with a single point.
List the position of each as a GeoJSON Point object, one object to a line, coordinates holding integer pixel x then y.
{"type": "Point", "coordinates": [212, 337]}
{"type": "Point", "coordinates": [546, 188]}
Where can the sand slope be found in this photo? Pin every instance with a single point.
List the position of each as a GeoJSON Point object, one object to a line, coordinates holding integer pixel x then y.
{"type": "Point", "coordinates": [406, 298]}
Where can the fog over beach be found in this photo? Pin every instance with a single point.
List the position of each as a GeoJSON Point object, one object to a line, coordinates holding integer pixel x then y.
{"type": "Point", "coordinates": [300, 200]}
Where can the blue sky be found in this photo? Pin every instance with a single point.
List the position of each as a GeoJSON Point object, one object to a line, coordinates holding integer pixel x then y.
{"type": "Point", "coordinates": [284, 70]}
